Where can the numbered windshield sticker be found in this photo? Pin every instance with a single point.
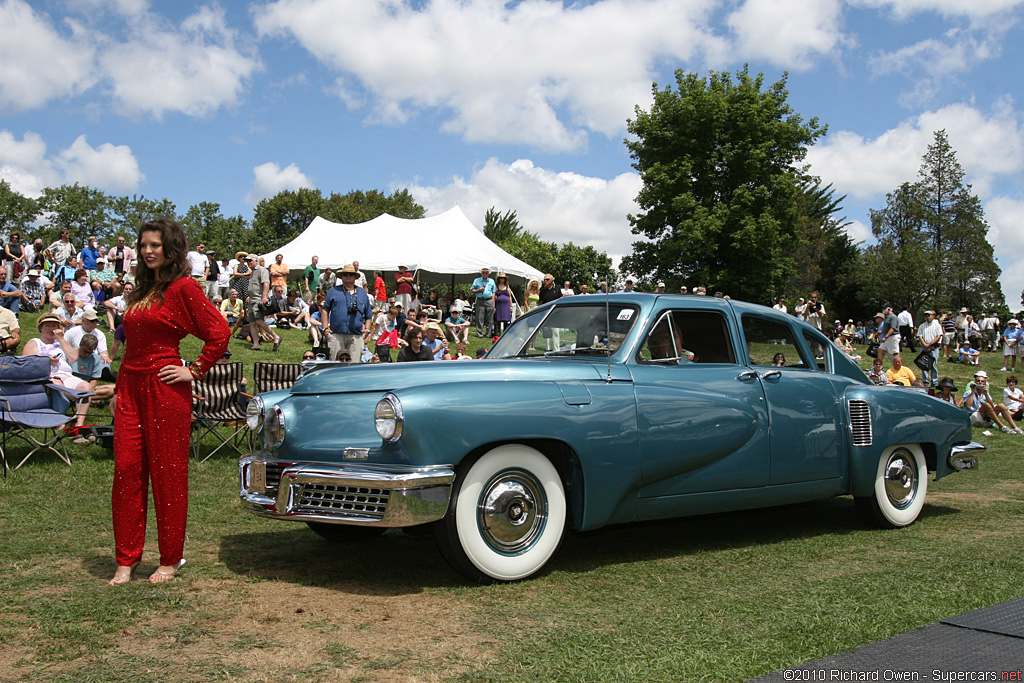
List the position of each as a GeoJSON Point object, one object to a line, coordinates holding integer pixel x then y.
{"type": "Point", "coordinates": [625, 314]}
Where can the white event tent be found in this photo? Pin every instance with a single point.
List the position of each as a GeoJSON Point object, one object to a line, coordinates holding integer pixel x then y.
{"type": "Point", "coordinates": [436, 248]}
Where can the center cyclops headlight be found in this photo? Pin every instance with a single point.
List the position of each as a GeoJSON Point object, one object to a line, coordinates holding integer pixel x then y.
{"type": "Point", "coordinates": [254, 414]}
{"type": "Point", "coordinates": [273, 427]}
{"type": "Point", "coordinates": [388, 418]}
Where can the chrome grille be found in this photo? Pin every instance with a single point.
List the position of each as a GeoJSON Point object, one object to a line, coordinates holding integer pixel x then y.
{"type": "Point", "coordinates": [860, 423]}
{"type": "Point", "coordinates": [274, 470]}
{"type": "Point", "coordinates": [355, 500]}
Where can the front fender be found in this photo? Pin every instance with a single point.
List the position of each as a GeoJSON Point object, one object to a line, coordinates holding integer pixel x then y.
{"type": "Point", "coordinates": [445, 423]}
{"type": "Point", "coordinates": [904, 416]}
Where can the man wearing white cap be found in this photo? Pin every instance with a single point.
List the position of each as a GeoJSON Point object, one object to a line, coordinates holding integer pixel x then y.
{"type": "Point", "coordinates": [1011, 344]}
{"type": "Point", "coordinates": [979, 405]}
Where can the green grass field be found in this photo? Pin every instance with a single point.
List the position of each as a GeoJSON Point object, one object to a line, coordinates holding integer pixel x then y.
{"type": "Point", "coordinates": [716, 598]}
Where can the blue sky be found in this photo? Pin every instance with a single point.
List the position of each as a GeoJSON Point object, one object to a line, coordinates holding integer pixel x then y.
{"type": "Point", "coordinates": [480, 103]}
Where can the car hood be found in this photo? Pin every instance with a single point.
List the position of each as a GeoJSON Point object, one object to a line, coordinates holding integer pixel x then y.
{"type": "Point", "coordinates": [388, 376]}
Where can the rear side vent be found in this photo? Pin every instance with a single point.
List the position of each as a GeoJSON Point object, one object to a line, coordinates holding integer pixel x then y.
{"type": "Point", "coordinates": [860, 423]}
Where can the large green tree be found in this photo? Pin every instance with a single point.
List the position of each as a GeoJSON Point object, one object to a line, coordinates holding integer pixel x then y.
{"type": "Point", "coordinates": [82, 211]}
{"type": "Point", "coordinates": [17, 212]}
{"type": "Point", "coordinates": [933, 246]}
{"type": "Point", "coordinates": [279, 219]}
{"type": "Point", "coordinates": [358, 206]}
{"type": "Point", "coordinates": [718, 158]}
{"type": "Point", "coordinates": [128, 213]}
{"type": "Point", "coordinates": [222, 235]}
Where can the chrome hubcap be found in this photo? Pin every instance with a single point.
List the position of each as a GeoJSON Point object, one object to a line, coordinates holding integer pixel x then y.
{"type": "Point", "coordinates": [512, 512]}
{"type": "Point", "coordinates": [901, 478]}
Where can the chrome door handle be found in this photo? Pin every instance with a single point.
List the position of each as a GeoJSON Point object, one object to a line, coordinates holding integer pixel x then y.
{"type": "Point", "coordinates": [747, 375]}
{"type": "Point", "coordinates": [772, 374]}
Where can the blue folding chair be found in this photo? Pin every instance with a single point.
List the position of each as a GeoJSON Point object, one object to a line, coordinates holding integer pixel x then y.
{"type": "Point", "coordinates": [29, 402]}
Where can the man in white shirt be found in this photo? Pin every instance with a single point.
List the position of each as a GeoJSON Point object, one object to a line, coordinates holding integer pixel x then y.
{"type": "Point", "coordinates": [906, 325]}
{"type": "Point", "coordinates": [89, 324]}
{"type": "Point", "coordinates": [199, 264]}
{"type": "Point", "coordinates": [566, 289]}
{"type": "Point", "coordinates": [781, 305]}
{"type": "Point", "coordinates": [929, 333]}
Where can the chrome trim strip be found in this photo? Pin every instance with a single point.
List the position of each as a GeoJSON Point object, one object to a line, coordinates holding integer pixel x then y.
{"type": "Point", "coordinates": [408, 495]}
{"type": "Point", "coordinates": [962, 455]}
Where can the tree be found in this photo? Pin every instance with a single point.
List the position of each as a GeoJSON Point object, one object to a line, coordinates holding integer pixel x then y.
{"type": "Point", "coordinates": [358, 206]}
{"type": "Point", "coordinates": [82, 211]}
{"type": "Point", "coordinates": [896, 269]}
{"type": "Point", "coordinates": [205, 223]}
{"type": "Point", "coordinates": [500, 228]}
{"type": "Point", "coordinates": [279, 219]}
{"type": "Point", "coordinates": [963, 268]}
{"type": "Point", "coordinates": [825, 257]}
{"type": "Point", "coordinates": [933, 241]}
{"type": "Point", "coordinates": [128, 213]}
{"type": "Point", "coordinates": [719, 197]}
{"type": "Point", "coordinates": [17, 212]}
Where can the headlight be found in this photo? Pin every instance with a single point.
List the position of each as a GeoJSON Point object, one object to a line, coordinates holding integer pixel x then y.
{"type": "Point", "coordinates": [273, 427]}
{"type": "Point", "coordinates": [387, 417]}
{"type": "Point", "coordinates": [254, 414]}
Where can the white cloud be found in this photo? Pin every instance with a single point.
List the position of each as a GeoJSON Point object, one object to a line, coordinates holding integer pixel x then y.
{"type": "Point", "coordinates": [789, 33]}
{"type": "Point", "coordinates": [270, 178]}
{"type": "Point", "coordinates": [110, 167]}
{"type": "Point", "coordinates": [123, 7]}
{"type": "Point", "coordinates": [26, 165]}
{"type": "Point", "coordinates": [988, 147]}
{"type": "Point", "coordinates": [950, 8]}
{"type": "Point", "coordinates": [535, 72]}
{"type": "Point", "coordinates": [1007, 238]}
{"type": "Point", "coordinates": [560, 207]}
{"type": "Point", "coordinates": [859, 231]}
{"type": "Point", "coordinates": [194, 69]}
{"type": "Point", "coordinates": [39, 63]}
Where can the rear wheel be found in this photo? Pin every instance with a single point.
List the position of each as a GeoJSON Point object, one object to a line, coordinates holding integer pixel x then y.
{"type": "Point", "coordinates": [507, 516]}
{"type": "Point", "coordinates": [345, 533]}
{"type": "Point", "coordinates": [901, 483]}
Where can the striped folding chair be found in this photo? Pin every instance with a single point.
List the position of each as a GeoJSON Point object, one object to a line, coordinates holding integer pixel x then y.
{"type": "Point", "coordinates": [218, 408]}
{"type": "Point", "coordinates": [275, 376]}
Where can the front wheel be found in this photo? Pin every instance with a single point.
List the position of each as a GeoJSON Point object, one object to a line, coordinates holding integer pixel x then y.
{"type": "Point", "coordinates": [901, 483]}
{"type": "Point", "coordinates": [507, 516]}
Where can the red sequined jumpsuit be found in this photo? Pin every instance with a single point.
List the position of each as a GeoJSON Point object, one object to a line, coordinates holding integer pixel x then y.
{"type": "Point", "coordinates": [153, 419]}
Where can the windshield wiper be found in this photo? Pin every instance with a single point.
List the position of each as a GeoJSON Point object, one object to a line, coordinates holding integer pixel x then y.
{"type": "Point", "coordinates": [579, 349]}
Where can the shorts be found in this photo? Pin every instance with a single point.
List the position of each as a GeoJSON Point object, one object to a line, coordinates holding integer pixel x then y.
{"type": "Point", "coordinates": [256, 311]}
{"type": "Point", "coordinates": [979, 420]}
{"type": "Point", "coordinates": [892, 344]}
{"type": "Point", "coordinates": [947, 338]}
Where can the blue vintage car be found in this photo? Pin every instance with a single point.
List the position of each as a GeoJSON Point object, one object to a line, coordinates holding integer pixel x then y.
{"type": "Point", "coordinates": [596, 410]}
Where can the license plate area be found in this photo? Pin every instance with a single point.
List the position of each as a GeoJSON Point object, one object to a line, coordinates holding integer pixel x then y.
{"type": "Point", "coordinates": [258, 476]}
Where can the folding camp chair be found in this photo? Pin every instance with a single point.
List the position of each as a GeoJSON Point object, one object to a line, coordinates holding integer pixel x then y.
{"type": "Point", "coordinates": [30, 402]}
{"type": "Point", "coordinates": [275, 376]}
{"type": "Point", "coordinates": [217, 402]}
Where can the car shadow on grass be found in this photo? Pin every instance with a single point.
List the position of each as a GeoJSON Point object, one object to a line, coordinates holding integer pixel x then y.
{"type": "Point", "coordinates": [399, 562]}
{"type": "Point", "coordinates": [407, 561]}
{"type": "Point", "coordinates": [661, 539]}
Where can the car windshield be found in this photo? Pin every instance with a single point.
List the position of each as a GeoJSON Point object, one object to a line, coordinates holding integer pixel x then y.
{"type": "Point", "coordinates": [568, 330]}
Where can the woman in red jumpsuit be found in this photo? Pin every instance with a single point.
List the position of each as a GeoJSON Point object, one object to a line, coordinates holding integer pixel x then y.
{"type": "Point", "coordinates": [154, 398]}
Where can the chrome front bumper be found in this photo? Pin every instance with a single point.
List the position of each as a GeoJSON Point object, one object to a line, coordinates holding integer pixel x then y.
{"type": "Point", "coordinates": [962, 456]}
{"type": "Point", "coordinates": [386, 496]}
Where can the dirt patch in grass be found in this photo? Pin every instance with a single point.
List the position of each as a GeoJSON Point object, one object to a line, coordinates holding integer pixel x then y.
{"type": "Point", "coordinates": [279, 631]}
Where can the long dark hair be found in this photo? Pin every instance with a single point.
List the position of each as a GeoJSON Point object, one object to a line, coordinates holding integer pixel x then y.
{"type": "Point", "coordinates": [147, 284]}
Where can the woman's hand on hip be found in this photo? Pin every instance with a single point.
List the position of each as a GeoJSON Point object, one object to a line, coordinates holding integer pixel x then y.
{"type": "Point", "coordinates": [172, 374]}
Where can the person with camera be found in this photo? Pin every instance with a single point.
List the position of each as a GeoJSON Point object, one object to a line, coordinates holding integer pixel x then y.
{"type": "Point", "coordinates": [259, 291]}
{"type": "Point", "coordinates": [348, 314]}
{"type": "Point", "coordinates": [979, 405]}
{"type": "Point", "coordinates": [816, 313]}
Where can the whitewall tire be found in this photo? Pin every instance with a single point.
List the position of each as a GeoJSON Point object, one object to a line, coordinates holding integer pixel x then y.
{"type": "Point", "coordinates": [901, 483]}
{"type": "Point", "coordinates": [506, 518]}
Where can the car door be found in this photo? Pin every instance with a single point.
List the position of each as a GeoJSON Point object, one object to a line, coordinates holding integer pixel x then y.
{"type": "Point", "coordinates": [803, 405]}
{"type": "Point", "coordinates": [703, 426]}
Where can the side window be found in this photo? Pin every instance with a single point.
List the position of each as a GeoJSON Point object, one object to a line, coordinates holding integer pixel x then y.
{"type": "Point", "coordinates": [687, 337]}
{"type": "Point", "coordinates": [771, 343]}
{"type": "Point", "coordinates": [820, 350]}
